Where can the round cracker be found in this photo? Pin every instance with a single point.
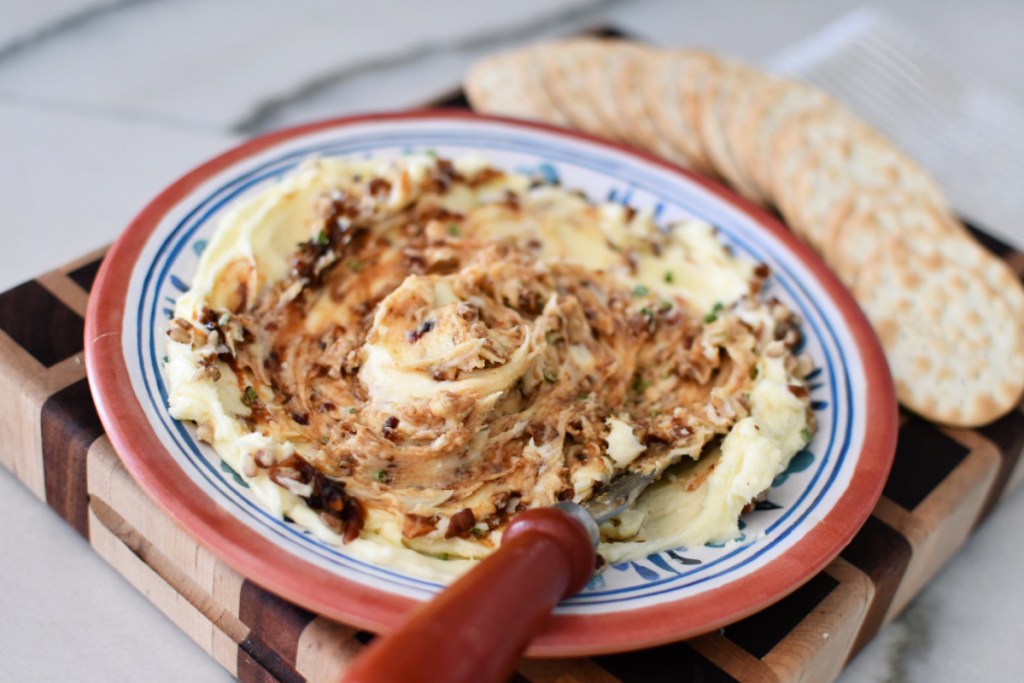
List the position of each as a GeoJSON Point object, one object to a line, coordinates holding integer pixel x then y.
{"type": "Point", "coordinates": [850, 159]}
{"type": "Point", "coordinates": [963, 251]}
{"type": "Point", "coordinates": [566, 68]}
{"type": "Point", "coordinates": [768, 116]}
{"type": "Point", "coordinates": [531, 65]}
{"type": "Point", "coordinates": [716, 103]}
{"type": "Point", "coordinates": [636, 69]}
{"type": "Point", "coordinates": [495, 85]}
{"type": "Point", "coordinates": [941, 326]}
{"type": "Point", "coordinates": [870, 219]}
{"type": "Point", "coordinates": [605, 80]}
{"type": "Point", "coordinates": [673, 100]}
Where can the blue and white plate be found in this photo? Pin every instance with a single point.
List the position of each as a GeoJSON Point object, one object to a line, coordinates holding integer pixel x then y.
{"type": "Point", "coordinates": [812, 510]}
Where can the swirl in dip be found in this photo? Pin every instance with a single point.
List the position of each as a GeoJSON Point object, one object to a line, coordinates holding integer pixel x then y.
{"type": "Point", "coordinates": [399, 355]}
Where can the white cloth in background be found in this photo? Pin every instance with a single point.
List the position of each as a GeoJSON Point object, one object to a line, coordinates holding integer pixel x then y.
{"type": "Point", "coordinates": [968, 134]}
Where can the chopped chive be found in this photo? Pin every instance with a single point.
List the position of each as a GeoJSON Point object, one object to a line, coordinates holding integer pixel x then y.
{"type": "Point", "coordinates": [806, 435]}
{"type": "Point", "coordinates": [478, 532]}
{"type": "Point", "coordinates": [444, 556]}
{"type": "Point", "coordinates": [325, 439]}
{"type": "Point", "coordinates": [715, 310]}
{"type": "Point", "coordinates": [754, 373]}
{"type": "Point", "coordinates": [640, 385]}
{"type": "Point", "coordinates": [655, 413]}
{"type": "Point", "coordinates": [453, 229]}
{"type": "Point", "coordinates": [322, 238]}
{"type": "Point", "coordinates": [355, 265]}
{"type": "Point", "coordinates": [352, 411]}
{"type": "Point", "coordinates": [641, 290]}
{"type": "Point", "coordinates": [382, 476]}
{"type": "Point", "coordinates": [665, 307]}
{"type": "Point", "coordinates": [250, 397]}
{"type": "Point", "coordinates": [432, 153]}
{"type": "Point", "coordinates": [670, 277]}
{"type": "Point", "coordinates": [549, 377]}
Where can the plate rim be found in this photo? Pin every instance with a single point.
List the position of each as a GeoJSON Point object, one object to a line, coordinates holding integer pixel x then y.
{"type": "Point", "coordinates": [379, 611]}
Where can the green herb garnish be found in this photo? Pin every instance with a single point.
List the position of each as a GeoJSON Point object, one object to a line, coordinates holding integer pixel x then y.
{"type": "Point", "coordinates": [641, 290]}
{"type": "Point", "coordinates": [250, 397]}
{"type": "Point", "coordinates": [549, 377]}
{"type": "Point", "coordinates": [806, 435]}
{"type": "Point", "coordinates": [670, 277]}
{"type": "Point", "coordinates": [355, 265]}
{"type": "Point", "coordinates": [713, 315]}
{"type": "Point", "coordinates": [640, 385]}
{"type": "Point", "coordinates": [325, 439]}
{"type": "Point", "coordinates": [453, 229]}
{"type": "Point", "coordinates": [382, 476]}
{"type": "Point", "coordinates": [665, 307]}
{"type": "Point", "coordinates": [322, 239]}
{"type": "Point", "coordinates": [352, 411]}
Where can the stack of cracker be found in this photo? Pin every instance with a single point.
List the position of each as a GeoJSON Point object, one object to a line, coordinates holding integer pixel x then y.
{"type": "Point", "coordinates": [942, 306]}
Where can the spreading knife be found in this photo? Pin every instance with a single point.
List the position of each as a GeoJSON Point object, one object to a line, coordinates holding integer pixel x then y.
{"type": "Point", "coordinates": [477, 629]}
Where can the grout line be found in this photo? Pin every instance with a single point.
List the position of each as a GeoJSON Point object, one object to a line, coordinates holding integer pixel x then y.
{"type": "Point", "coordinates": [65, 24]}
{"type": "Point", "coordinates": [115, 113]}
{"type": "Point", "coordinates": [263, 113]}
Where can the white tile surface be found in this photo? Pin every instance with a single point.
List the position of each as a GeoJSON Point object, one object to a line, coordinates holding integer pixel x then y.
{"type": "Point", "coordinates": [104, 102]}
{"type": "Point", "coordinates": [73, 181]}
{"type": "Point", "coordinates": [967, 624]}
{"type": "Point", "coordinates": [22, 21]}
{"type": "Point", "coordinates": [68, 616]}
{"type": "Point", "coordinates": [218, 63]}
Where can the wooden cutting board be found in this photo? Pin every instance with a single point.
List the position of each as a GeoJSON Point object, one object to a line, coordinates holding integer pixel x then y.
{"type": "Point", "coordinates": [944, 482]}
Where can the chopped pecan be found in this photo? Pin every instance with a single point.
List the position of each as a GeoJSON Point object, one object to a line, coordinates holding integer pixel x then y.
{"type": "Point", "coordinates": [460, 524]}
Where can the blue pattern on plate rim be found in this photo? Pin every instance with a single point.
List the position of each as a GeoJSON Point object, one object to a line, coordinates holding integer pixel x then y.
{"type": "Point", "coordinates": [650, 571]}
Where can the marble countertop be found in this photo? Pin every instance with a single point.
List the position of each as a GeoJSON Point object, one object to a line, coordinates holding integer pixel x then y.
{"type": "Point", "coordinates": [103, 102]}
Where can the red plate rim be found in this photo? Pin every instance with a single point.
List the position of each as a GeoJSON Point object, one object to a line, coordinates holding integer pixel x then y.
{"type": "Point", "coordinates": [333, 596]}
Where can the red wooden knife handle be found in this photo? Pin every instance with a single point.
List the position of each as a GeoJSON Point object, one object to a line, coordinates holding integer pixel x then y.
{"type": "Point", "coordinates": [477, 629]}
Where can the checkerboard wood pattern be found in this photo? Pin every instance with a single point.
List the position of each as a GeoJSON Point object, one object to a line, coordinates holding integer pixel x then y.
{"type": "Point", "coordinates": [943, 483]}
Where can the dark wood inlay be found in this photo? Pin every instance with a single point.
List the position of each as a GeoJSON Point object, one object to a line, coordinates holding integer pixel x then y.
{"type": "Point", "coordinates": [924, 457]}
{"type": "Point", "coordinates": [258, 663]}
{"type": "Point", "coordinates": [759, 633]}
{"type": "Point", "coordinates": [666, 664]}
{"type": "Point", "coordinates": [456, 99]}
{"type": "Point", "coordinates": [69, 426]}
{"type": "Point", "coordinates": [40, 323]}
{"type": "Point", "coordinates": [993, 244]}
{"type": "Point", "coordinates": [276, 622]}
{"type": "Point", "coordinates": [85, 275]}
{"type": "Point", "coordinates": [883, 554]}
